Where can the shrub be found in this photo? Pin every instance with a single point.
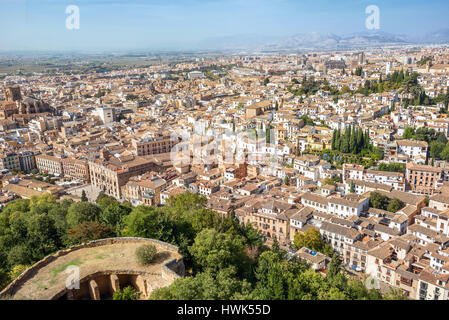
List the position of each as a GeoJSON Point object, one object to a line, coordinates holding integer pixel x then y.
{"type": "Point", "coordinates": [146, 253]}
{"type": "Point", "coordinates": [128, 293]}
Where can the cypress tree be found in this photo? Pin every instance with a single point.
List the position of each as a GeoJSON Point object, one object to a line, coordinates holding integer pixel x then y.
{"type": "Point", "coordinates": [359, 140]}
{"type": "Point", "coordinates": [344, 147]}
{"type": "Point", "coordinates": [366, 140]}
{"type": "Point", "coordinates": [401, 76]}
{"type": "Point", "coordinates": [394, 77]}
{"type": "Point", "coordinates": [333, 140]}
{"type": "Point", "coordinates": [84, 197]}
{"type": "Point", "coordinates": [352, 143]}
{"type": "Point", "coordinates": [348, 133]}
{"type": "Point", "coordinates": [337, 140]}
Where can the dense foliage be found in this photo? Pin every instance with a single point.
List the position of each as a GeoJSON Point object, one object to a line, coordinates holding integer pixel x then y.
{"type": "Point", "coordinates": [31, 229]}
{"type": "Point", "coordinates": [127, 293]}
{"type": "Point", "coordinates": [224, 259]}
{"type": "Point", "coordinates": [379, 201]}
{"type": "Point", "coordinates": [309, 86]}
{"type": "Point", "coordinates": [353, 140]}
{"type": "Point", "coordinates": [391, 167]}
{"type": "Point", "coordinates": [439, 145]}
{"type": "Point", "coordinates": [274, 278]}
{"type": "Point", "coordinates": [311, 239]}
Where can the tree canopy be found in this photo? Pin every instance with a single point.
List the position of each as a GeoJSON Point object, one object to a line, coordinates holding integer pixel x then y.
{"type": "Point", "coordinates": [225, 259]}
{"type": "Point", "coordinates": [379, 201]}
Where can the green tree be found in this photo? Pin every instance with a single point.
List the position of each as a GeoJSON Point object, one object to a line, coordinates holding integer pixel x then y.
{"type": "Point", "coordinates": [213, 251]}
{"type": "Point", "coordinates": [43, 236]}
{"type": "Point", "coordinates": [112, 214]}
{"type": "Point", "coordinates": [81, 212]}
{"type": "Point", "coordinates": [311, 239]}
{"type": "Point", "coordinates": [131, 97]}
{"type": "Point", "coordinates": [332, 294]}
{"type": "Point", "coordinates": [334, 268]}
{"type": "Point", "coordinates": [425, 134]}
{"type": "Point", "coordinates": [148, 222]}
{"type": "Point", "coordinates": [88, 231]}
{"type": "Point", "coordinates": [395, 205]}
{"type": "Point", "coordinates": [253, 237]}
{"type": "Point", "coordinates": [391, 167]}
{"type": "Point", "coordinates": [206, 286]}
{"type": "Point", "coordinates": [84, 197]}
{"type": "Point", "coordinates": [20, 254]}
{"type": "Point", "coordinates": [378, 201]}
{"type": "Point", "coordinates": [445, 153]}
{"type": "Point", "coordinates": [394, 295]}
{"type": "Point", "coordinates": [4, 278]}
{"type": "Point", "coordinates": [17, 270]}
{"type": "Point", "coordinates": [409, 133]}
{"type": "Point", "coordinates": [270, 275]}
{"type": "Point", "coordinates": [352, 187]}
{"type": "Point", "coordinates": [436, 148]}
{"type": "Point", "coordinates": [187, 200]}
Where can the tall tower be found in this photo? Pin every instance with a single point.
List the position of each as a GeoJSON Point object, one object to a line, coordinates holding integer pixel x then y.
{"type": "Point", "coordinates": [13, 94]}
{"type": "Point", "coordinates": [242, 170]}
{"type": "Point", "coordinates": [389, 67]}
{"type": "Point", "coordinates": [362, 58]}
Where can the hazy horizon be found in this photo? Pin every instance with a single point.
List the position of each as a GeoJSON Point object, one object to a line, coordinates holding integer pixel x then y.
{"type": "Point", "coordinates": [40, 25]}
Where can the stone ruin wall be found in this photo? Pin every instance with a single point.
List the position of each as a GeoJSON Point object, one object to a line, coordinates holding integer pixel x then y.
{"type": "Point", "coordinates": [171, 271]}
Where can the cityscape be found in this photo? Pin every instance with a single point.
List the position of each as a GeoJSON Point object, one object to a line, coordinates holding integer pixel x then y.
{"type": "Point", "coordinates": [297, 165]}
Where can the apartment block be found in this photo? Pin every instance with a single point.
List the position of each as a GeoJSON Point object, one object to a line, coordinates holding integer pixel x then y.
{"type": "Point", "coordinates": [423, 179]}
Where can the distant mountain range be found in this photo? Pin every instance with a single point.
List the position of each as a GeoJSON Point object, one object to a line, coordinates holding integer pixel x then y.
{"type": "Point", "coordinates": [316, 40]}
{"type": "Point", "coordinates": [440, 36]}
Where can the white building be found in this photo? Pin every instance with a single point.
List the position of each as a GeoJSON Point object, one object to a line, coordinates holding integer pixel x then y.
{"type": "Point", "coordinates": [350, 205]}
{"type": "Point", "coordinates": [415, 150]}
{"type": "Point", "coordinates": [106, 114]}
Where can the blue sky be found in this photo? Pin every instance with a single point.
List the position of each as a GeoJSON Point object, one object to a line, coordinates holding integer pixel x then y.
{"type": "Point", "coordinates": [182, 24]}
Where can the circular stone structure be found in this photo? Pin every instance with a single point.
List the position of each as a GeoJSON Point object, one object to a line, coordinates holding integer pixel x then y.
{"type": "Point", "coordinates": [97, 269]}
